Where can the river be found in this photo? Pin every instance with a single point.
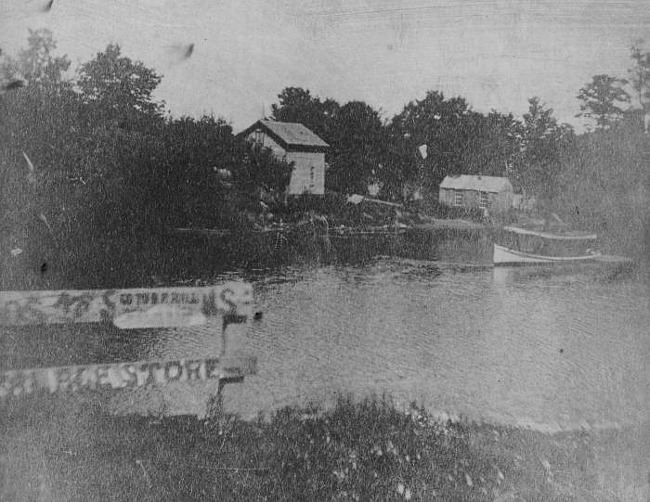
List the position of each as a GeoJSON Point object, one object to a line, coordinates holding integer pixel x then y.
{"type": "Point", "coordinates": [547, 350]}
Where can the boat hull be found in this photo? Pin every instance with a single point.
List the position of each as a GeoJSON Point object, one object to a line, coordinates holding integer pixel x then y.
{"type": "Point", "coordinates": [506, 256]}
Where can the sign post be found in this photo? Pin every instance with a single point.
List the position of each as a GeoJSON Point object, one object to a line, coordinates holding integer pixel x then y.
{"type": "Point", "coordinates": [131, 309]}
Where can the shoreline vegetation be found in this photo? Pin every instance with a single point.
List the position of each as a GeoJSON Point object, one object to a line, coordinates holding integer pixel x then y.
{"type": "Point", "coordinates": [359, 450]}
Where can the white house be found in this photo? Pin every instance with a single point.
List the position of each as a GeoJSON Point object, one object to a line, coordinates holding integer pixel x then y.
{"type": "Point", "coordinates": [295, 143]}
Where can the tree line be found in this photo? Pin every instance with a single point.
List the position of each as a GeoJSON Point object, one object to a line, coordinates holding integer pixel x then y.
{"type": "Point", "coordinates": [94, 167]}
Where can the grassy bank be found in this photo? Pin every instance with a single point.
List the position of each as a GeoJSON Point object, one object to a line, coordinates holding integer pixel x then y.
{"type": "Point", "coordinates": [357, 451]}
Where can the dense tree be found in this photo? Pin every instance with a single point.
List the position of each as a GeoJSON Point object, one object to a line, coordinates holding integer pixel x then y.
{"type": "Point", "coordinates": [119, 89]}
{"type": "Point", "coordinates": [440, 124]}
{"type": "Point", "coordinates": [538, 163]}
{"type": "Point", "coordinates": [43, 111]}
{"type": "Point", "coordinates": [260, 173]}
{"type": "Point", "coordinates": [427, 140]}
{"type": "Point", "coordinates": [354, 132]}
{"type": "Point", "coordinates": [602, 100]}
{"type": "Point", "coordinates": [298, 105]}
{"type": "Point", "coordinates": [194, 151]}
{"type": "Point", "coordinates": [355, 142]}
{"type": "Point", "coordinates": [493, 144]}
{"type": "Point", "coordinates": [37, 64]}
{"type": "Point", "coordinates": [604, 186]}
{"type": "Point", "coordinates": [87, 183]}
{"type": "Point", "coordinates": [36, 139]}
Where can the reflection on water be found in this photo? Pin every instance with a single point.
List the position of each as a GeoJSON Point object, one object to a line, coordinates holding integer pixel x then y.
{"type": "Point", "coordinates": [543, 349]}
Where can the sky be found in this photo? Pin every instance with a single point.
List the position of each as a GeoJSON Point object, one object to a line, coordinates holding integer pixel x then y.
{"type": "Point", "coordinates": [494, 53]}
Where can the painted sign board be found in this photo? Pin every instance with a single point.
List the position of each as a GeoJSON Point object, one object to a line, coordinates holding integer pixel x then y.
{"type": "Point", "coordinates": [128, 308]}
{"type": "Point", "coordinates": [70, 379]}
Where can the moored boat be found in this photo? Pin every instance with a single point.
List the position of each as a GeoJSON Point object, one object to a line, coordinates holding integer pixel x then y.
{"type": "Point", "coordinates": [528, 247]}
{"type": "Point", "coordinates": [506, 256]}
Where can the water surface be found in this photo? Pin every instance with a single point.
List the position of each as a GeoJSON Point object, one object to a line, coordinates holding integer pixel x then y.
{"type": "Point", "coordinates": [545, 349]}
{"type": "Point", "coordinates": [548, 350]}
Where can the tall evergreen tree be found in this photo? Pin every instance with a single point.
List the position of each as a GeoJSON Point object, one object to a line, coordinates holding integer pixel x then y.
{"type": "Point", "coordinates": [603, 100]}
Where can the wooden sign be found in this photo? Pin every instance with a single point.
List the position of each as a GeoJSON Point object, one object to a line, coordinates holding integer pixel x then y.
{"type": "Point", "coordinates": [70, 379]}
{"type": "Point", "coordinates": [128, 308]}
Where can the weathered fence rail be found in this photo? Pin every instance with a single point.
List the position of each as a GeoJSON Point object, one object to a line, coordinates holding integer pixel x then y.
{"type": "Point", "coordinates": [140, 308]}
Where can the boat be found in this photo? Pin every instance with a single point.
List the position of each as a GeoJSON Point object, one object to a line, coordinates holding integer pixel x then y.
{"type": "Point", "coordinates": [506, 256]}
{"type": "Point", "coordinates": [529, 247]}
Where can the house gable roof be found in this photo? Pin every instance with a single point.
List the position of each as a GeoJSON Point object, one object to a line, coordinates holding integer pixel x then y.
{"type": "Point", "coordinates": [480, 183]}
{"type": "Point", "coordinates": [291, 136]}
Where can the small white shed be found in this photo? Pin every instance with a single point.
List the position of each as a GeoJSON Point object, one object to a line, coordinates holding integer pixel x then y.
{"type": "Point", "coordinates": [481, 192]}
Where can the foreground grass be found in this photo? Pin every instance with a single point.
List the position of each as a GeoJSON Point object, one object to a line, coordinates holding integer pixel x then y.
{"type": "Point", "coordinates": [358, 451]}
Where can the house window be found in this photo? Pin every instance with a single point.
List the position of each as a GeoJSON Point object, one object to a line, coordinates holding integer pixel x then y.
{"type": "Point", "coordinates": [483, 201]}
{"type": "Point", "coordinates": [458, 198]}
{"type": "Point", "coordinates": [258, 137]}
{"type": "Point", "coordinates": [312, 178]}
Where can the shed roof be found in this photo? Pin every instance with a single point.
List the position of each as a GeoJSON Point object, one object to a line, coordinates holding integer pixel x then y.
{"type": "Point", "coordinates": [289, 134]}
{"type": "Point", "coordinates": [481, 183]}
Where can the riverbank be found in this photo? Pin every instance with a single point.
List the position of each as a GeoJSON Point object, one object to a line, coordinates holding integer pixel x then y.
{"type": "Point", "coordinates": [367, 450]}
{"type": "Point", "coordinates": [430, 239]}
{"type": "Point", "coordinates": [176, 255]}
